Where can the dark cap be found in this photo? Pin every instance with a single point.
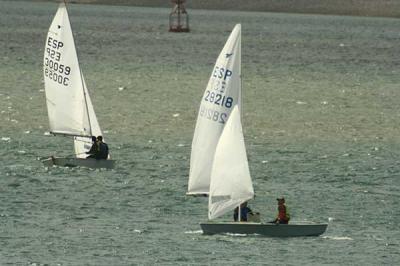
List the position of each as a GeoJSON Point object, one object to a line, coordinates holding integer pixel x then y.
{"type": "Point", "coordinates": [281, 199]}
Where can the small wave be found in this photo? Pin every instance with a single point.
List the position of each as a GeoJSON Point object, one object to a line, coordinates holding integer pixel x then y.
{"type": "Point", "coordinates": [232, 234]}
{"type": "Point", "coordinates": [195, 232]}
{"type": "Point", "coordinates": [338, 237]}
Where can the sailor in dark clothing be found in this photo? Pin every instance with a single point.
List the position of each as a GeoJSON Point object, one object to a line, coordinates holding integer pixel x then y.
{"type": "Point", "coordinates": [244, 211]}
{"type": "Point", "coordinates": [103, 149]}
{"type": "Point", "coordinates": [94, 149]}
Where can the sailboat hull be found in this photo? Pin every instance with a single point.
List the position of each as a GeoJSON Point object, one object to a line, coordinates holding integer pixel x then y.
{"type": "Point", "coordinates": [74, 162]}
{"type": "Point", "coordinates": [271, 230]}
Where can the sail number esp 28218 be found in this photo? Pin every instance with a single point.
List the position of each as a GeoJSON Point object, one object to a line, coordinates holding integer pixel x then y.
{"type": "Point", "coordinates": [54, 70]}
{"type": "Point", "coordinates": [215, 95]}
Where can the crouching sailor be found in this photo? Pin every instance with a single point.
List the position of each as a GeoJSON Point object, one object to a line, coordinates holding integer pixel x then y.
{"type": "Point", "coordinates": [103, 149]}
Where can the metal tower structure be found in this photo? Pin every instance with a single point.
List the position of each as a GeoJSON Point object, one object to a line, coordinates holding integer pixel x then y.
{"type": "Point", "coordinates": [178, 18]}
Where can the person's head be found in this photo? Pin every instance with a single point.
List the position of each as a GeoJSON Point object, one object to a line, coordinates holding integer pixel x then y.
{"type": "Point", "coordinates": [100, 138]}
{"type": "Point", "coordinates": [93, 139]}
{"type": "Point", "coordinates": [281, 200]}
{"type": "Point", "coordinates": [243, 205]}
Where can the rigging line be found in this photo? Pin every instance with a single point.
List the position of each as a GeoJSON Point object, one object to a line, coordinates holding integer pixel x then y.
{"type": "Point", "coordinates": [86, 104]}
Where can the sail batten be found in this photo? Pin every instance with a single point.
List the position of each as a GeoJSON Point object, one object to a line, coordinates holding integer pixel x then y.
{"type": "Point", "coordinates": [222, 93]}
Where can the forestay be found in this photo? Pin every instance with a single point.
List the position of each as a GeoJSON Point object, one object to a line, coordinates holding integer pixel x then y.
{"type": "Point", "coordinates": [223, 92]}
{"type": "Point", "coordinates": [65, 98]}
{"type": "Point", "coordinates": [230, 183]}
{"type": "Point", "coordinates": [83, 144]}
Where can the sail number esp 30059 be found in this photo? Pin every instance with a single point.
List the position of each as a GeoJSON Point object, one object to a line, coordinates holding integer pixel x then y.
{"type": "Point", "coordinates": [216, 95]}
{"type": "Point", "coordinates": [54, 70]}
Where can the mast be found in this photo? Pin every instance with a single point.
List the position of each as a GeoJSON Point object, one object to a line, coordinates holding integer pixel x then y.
{"type": "Point", "coordinates": [80, 73]}
{"type": "Point", "coordinates": [84, 96]}
{"type": "Point", "coordinates": [240, 76]}
{"type": "Point", "coordinates": [240, 102]}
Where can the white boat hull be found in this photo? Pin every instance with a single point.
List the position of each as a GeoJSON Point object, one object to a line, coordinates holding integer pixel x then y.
{"type": "Point", "coordinates": [74, 162]}
{"type": "Point", "coordinates": [272, 230]}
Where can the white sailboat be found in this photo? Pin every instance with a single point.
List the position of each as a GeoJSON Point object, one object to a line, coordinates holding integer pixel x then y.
{"type": "Point", "coordinates": [69, 106]}
{"type": "Point", "coordinates": [231, 186]}
{"type": "Point", "coordinates": [223, 92]}
{"type": "Point", "coordinates": [219, 165]}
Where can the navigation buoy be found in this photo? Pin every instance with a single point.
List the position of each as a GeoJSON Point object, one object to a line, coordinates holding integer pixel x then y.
{"type": "Point", "coordinates": [178, 18]}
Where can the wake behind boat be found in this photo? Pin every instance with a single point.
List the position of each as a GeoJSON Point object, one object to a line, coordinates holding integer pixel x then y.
{"type": "Point", "coordinates": [69, 106]}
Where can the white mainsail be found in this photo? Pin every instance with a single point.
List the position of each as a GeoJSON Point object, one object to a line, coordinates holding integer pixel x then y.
{"type": "Point", "coordinates": [223, 92]}
{"type": "Point", "coordinates": [68, 102]}
{"type": "Point", "coordinates": [230, 183]}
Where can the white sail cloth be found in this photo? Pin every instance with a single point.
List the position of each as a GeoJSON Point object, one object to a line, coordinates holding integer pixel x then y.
{"type": "Point", "coordinates": [222, 93]}
{"type": "Point", "coordinates": [68, 102]}
{"type": "Point", "coordinates": [83, 144]}
{"type": "Point", "coordinates": [230, 183]}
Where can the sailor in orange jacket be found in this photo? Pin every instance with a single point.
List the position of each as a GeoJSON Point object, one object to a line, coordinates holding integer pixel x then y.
{"type": "Point", "coordinates": [283, 214]}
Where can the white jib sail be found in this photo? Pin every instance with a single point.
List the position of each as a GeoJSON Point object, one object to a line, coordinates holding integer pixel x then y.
{"type": "Point", "coordinates": [83, 144]}
{"type": "Point", "coordinates": [65, 99]}
{"type": "Point", "coordinates": [230, 183]}
{"type": "Point", "coordinates": [223, 92]}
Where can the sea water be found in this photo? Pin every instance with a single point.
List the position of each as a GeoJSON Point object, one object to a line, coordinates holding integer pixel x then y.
{"type": "Point", "coordinates": [321, 124]}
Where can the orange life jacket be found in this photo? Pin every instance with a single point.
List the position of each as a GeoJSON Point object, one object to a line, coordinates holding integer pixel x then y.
{"type": "Point", "coordinates": [282, 214]}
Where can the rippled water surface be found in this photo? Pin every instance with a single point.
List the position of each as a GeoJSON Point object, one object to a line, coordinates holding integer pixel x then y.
{"type": "Point", "coordinates": [321, 122]}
